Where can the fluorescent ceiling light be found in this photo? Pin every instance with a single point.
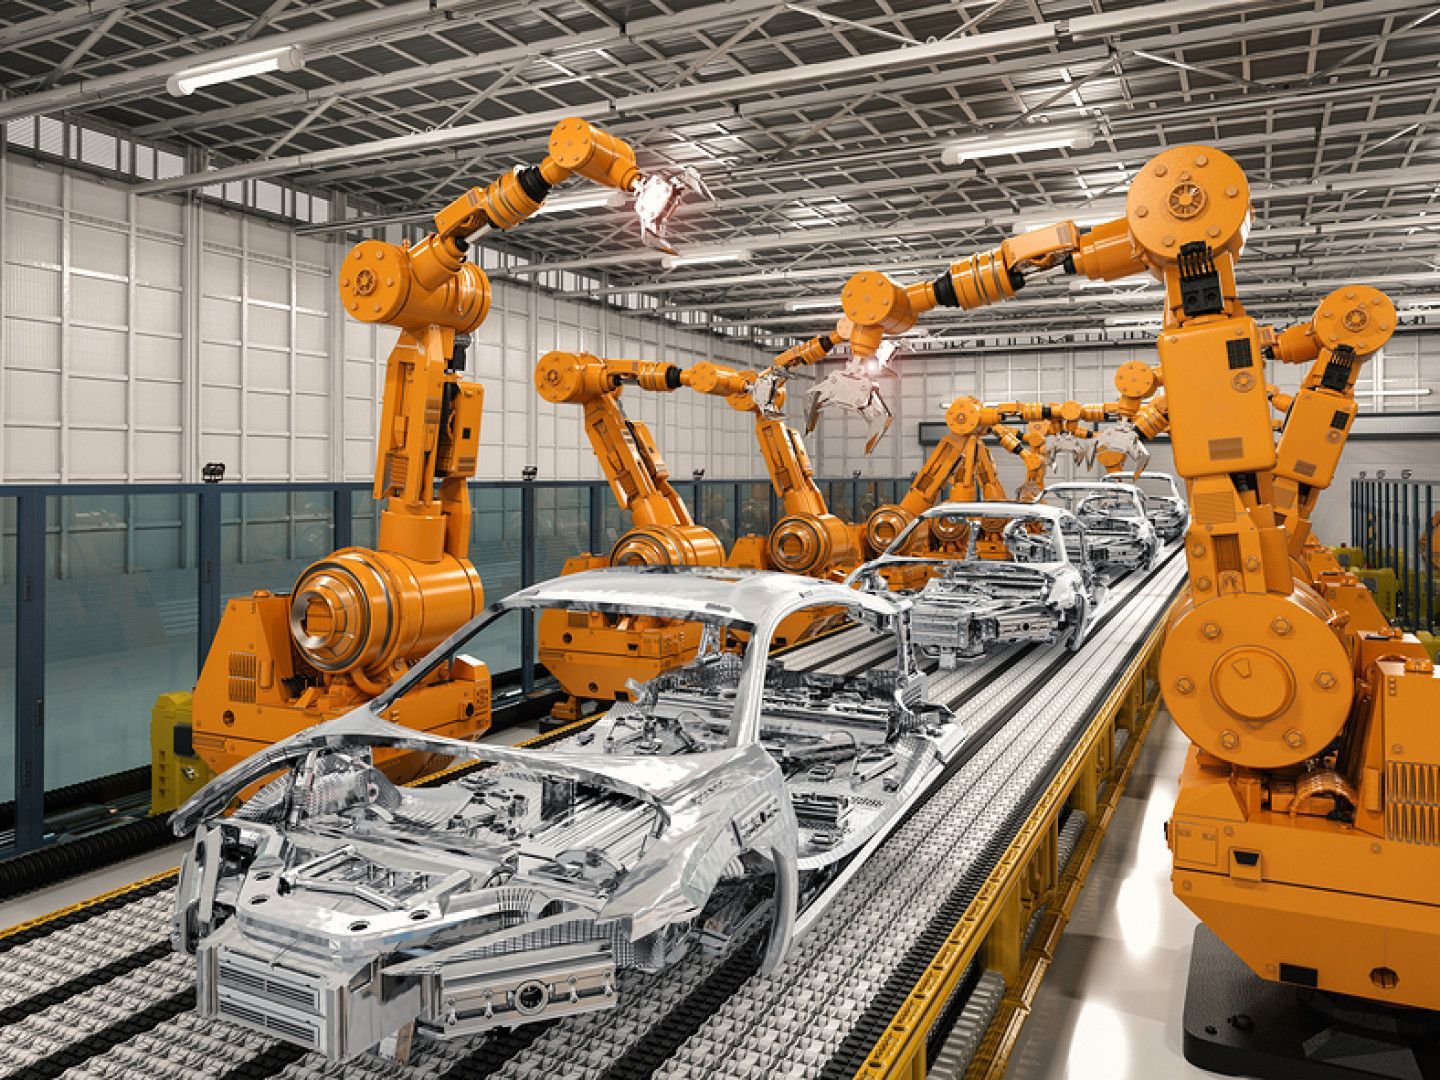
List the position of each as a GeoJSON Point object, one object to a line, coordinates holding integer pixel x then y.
{"type": "Point", "coordinates": [1133, 320]}
{"type": "Point", "coordinates": [184, 83]}
{"type": "Point", "coordinates": [1050, 137]}
{"type": "Point", "coordinates": [581, 200]}
{"type": "Point", "coordinates": [695, 258]}
{"type": "Point", "coordinates": [1415, 391]}
{"type": "Point", "coordinates": [813, 305]}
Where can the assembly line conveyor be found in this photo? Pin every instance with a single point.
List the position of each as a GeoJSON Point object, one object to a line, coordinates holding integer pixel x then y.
{"type": "Point", "coordinates": [927, 959]}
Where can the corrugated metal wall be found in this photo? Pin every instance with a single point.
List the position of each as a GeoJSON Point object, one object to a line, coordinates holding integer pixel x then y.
{"type": "Point", "coordinates": [114, 370]}
{"type": "Point", "coordinates": [104, 379]}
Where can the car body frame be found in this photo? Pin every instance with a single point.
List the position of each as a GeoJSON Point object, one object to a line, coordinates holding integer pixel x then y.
{"type": "Point", "coordinates": [1049, 588]}
{"type": "Point", "coordinates": [339, 912]}
{"type": "Point", "coordinates": [1165, 503]}
{"type": "Point", "coordinates": [1120, 534]}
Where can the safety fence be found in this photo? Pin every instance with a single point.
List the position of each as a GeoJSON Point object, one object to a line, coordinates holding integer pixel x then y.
{"type": "Point", "coordinates": [1393, 526]}
{"type": "Point", "coordinates": [112, 593]}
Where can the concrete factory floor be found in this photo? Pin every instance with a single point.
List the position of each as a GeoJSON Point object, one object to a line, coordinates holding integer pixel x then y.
{"type": "Point", "coordinates": [1110, 1006]}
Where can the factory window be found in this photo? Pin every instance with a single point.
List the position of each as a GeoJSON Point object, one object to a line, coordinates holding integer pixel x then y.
{"type": "Point", "coordinates": [98, 149]}
{"type": "Point", "coordinates": [21, 132]}
{"type": "Point", "coordinates": [268, 197]}
{"type": "Point", "coordinates": [52, 137]}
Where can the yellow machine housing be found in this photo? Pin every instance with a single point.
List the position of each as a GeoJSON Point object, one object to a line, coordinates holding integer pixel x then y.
{"type": "Point", "coordinates": [176, 771]}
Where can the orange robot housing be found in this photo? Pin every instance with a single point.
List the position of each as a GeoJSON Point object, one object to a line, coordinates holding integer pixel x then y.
{"type": "Point", "coordinates": [358, 618]}
{"type": "Point", "coordinates": [1304, 831]}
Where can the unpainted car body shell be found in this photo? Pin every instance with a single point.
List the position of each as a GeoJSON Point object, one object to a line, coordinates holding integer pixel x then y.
{"type": "Point", "coordinates": [1115, 520]}
{"type": "Point", "coordinates": [1167, 509]}
{"type": "Point", "coordinates": [972, 605]}
{"type": "Point", "coordinates": [335, 910]}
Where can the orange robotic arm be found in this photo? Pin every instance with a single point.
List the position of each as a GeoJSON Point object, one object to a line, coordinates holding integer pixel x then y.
{"type": "Point", "coordinates": [1293, 834]}
{"type": "Point", "coordinates": [808, 539]}
{"type": "Point", "coordinates": [876, 306]}
{"type": "Point", "coordinates": [1034, 461]}
{"type": "Point", "coordinates": [663, 532]}
{"type": "Point", "coordinates": [1349, 325]}
{"type": "Point", "coordinates": [418, 581]}
{"type": "Point", "coordinates": [953, 461]}
{"type": "Point", "coordinates": [852, 387]}
{"type": "Point", "coordinates": [809, 352]}
{"type": "Point", "coordinates": [430, 423]}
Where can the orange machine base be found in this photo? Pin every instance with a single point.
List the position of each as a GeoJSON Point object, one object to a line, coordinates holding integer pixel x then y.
{"type": "Point", "coordinates": [247, 697]}
{"type": "Point", "coordinates": [1239, 1024]}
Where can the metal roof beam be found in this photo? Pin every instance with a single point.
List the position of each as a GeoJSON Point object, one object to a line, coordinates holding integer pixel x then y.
{"type": "Point", "coordinates": [409, 16]}
{"type": "Point", "coordinates": [983, 44]}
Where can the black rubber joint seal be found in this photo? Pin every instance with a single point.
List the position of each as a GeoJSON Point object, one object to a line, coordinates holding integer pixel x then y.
{"type": "Point", "coordinates": [533, 184]}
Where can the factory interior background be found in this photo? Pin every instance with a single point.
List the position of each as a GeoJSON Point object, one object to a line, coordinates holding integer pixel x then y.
{"type": "Point", "coordinates": [169, 303]}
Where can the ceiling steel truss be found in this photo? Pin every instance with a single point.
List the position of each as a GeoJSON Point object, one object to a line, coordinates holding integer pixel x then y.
{"type": "Point", "coordinates": [820, 124]}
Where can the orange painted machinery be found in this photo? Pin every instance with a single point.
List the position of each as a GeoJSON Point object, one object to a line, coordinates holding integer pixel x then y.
{"type": "Point", "coordinates": [1305, 829]}
{"type": "Point", "coordinates": [808, 539]}
{"type": "Point", "coordinates": [595, 655]}
{"type": "Point", "coordinates": [1314, 425]}
{"type": "Point", "coordinates": [356, 619]}
{"type": "Point", "coordinates": [962, 461]}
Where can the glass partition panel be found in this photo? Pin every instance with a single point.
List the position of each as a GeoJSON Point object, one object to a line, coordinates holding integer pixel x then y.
{"type": "Point", "coordinates": [267, 538]}
{"type": "Point", "coordinates": [121, 604]}
{"type": "Point", "coordinates": [495, 546]}
{"type": "Point", "coordinates": [755, 517]}
{"type": "Point", "coordinates": [364, 519]}
{"type": "Point", "coordinates": [871, 495]}
{"type": "Point", "coordinates": [614, 522]}
{"type": "Point", "coordinates": [839, 498]}
{"type": "Point", "coordinates": [716, 510]}
{"type": "Point", "coordinates": [562, 527]}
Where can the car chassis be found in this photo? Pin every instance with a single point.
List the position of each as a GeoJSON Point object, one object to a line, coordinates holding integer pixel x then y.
{"type": "Point", "coordinates": [972, 605]}
{"type": "Point", "coordinates": [339, 912]}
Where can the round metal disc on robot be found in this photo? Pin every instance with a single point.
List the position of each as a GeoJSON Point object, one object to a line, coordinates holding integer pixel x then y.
{"type": "Point", "coordinates": [381, 283]}
{"type": "Point", "coordinates": [1134, 378]}
{"type": "Point", "coordinates": [963, 415]}
{"type": "Point", "coordinates": [1188, 194]}
{"type": "Point", "coordinates": [883, 525]}
{"type": "Point", "coordinates": [798, 544]}
{"type": "Point", "coordinates": [1359, 316]}
{"type": "Point", "coordinates": [1244, 697]}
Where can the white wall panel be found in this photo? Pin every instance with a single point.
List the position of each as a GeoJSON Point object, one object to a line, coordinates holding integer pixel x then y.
{"type": "Point", "coordinates": [101, 377]}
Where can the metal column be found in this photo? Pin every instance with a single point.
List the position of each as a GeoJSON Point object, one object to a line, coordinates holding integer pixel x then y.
{"type": "Point", "coordinates": [527, 577]}
{"type": "Point", "coordinates": [207, 566]}
{"type": "Point", "coordinates": [30, 671]}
